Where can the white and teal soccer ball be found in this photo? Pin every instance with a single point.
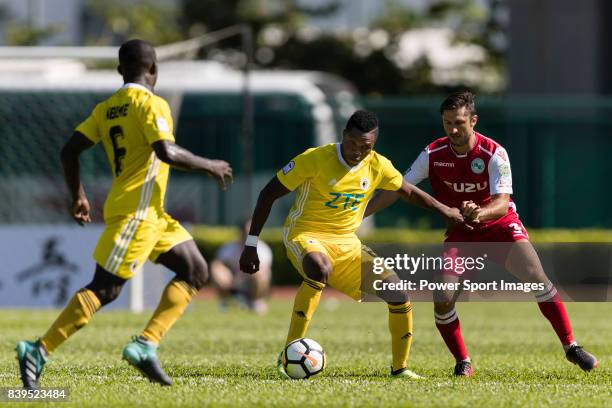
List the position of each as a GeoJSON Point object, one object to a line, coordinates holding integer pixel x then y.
{"type": "Point", "coordinates": [303, 358]}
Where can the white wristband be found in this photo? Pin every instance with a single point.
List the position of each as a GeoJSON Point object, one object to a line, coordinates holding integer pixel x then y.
{"type": "Point", "coordinates": [251, 240]}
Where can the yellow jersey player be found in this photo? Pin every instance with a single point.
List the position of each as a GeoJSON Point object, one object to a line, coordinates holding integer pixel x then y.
{"type": "Point", "coordinates": [334, 184]}
{"type": "Point", "coordinates": [136, 130]}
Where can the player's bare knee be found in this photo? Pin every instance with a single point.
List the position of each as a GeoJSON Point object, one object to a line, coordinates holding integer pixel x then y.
{"type": "Point", "coordinates": [531, 272]}
{"type": "Point", "coordinates": [199, 275]}
{"type": "Point", "coordinates": [105, 294]}
{"type": "Point", "coordinates": [398, 298]}
{"type": "Point", "coordinates": [106, 286]}
{"type": "Point", "coordinates": [443, 307]}
{"type": "Point", "coordinates": [186, 261]}
{"type": "Point", "coordinates": [535, 271]}
{"type": "Point", "coordinates": [194, 272]}
{"type": "Point", "coordinates": [319, 274]}
{"type": "Point", "coordinates": [317, 269]}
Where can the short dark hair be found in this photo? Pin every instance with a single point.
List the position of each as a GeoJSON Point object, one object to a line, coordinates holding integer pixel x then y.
{"type": "Point", "coordinates": [458, 100]}
{"type": "Point", "coordinates": [136, 57]}
{"type": "Point", "coordinates": [363, 121]}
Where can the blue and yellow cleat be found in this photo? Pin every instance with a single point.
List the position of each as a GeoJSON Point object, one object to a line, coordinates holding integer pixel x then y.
{"type": "Point", "coordinates": [142, 354]}
{"type": "Point", "coordinates": [405, 373]}
{"type": "Point", "coordinates": [280, 368]}
{"type": "Point", "coordinates": [32, 358]}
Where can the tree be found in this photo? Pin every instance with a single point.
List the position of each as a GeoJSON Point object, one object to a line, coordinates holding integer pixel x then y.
{"type": "Point", "coordinates": [111, 22]}
{"type": "Point", "coordinates": [211, 15]}
{"type": "Point", "coordinates": [378, 59]}
{"type": "Point", "coordinates": [20, 33]}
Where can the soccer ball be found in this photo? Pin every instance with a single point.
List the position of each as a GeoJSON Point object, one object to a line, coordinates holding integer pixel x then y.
{"type": "Point", "coordinates": [303, 358]}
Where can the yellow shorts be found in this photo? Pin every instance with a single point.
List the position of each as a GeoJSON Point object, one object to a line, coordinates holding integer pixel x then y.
{"type": "Point", "coordinates": [351, 260]}
{"type": "Point", "coordinates": [127, 243]}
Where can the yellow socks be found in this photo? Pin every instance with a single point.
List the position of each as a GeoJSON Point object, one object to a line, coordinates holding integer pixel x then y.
{"type": "Point", "coordinates": [400, 326]}
{"type": "Point", "coordinates": [83, 305]}
{"type": "Point", "coordinates": [173, 302]}
{"type": "Point", "coordinates": [304, 306]}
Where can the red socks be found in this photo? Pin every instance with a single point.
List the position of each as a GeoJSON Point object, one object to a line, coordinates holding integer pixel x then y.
{"type": "Point", "coordinates": [550, 305]}
{"type": "Point", "coordinates": [450, 329]}
{"type": "Point", "coordinates": [552, 308]}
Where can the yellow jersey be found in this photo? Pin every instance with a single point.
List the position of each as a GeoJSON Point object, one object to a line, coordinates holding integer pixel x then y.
{"type": "Point", "coordinates": [127, 123]}
{"type": "Point", "coordinates": [332, 195]}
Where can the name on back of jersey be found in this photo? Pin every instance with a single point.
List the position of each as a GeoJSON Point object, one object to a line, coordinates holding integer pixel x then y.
{"type": "Point", "coordinates": [115, 112]}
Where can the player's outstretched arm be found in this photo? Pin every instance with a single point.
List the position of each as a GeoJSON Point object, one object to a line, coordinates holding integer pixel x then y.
{"type": "Point", "coordinates": [181, 158]}
{"type": "Point", "coordinates": [80, 210]}
{"type": "Point", "coordinates": [381, 200]}
{"type": "Point", "coordinates": [414, 195]}
{"type": "Point", "coordinates": [249, 261]}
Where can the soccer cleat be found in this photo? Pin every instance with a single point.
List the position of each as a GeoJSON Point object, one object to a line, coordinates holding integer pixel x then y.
{"type": "Point", "coordinates": [280, 369]}
{"type": "Point", "coordinates": [585, 360]}
{"type": "Point", "coordinates": [32, 358]}
{"type": "Point", "coordinates": [463, 369]}
{"type": "Point", "coordinates": [142, 354]}
{"type": "Point", "coordinates": [405, 373]}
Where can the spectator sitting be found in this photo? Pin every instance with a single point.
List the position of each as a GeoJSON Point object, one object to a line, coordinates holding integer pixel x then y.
{"type": "Point", "coordinates": [230, 282]}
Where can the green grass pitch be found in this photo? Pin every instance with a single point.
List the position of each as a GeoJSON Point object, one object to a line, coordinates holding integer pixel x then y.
{"type": "Point", "coordinates": [228, 359]}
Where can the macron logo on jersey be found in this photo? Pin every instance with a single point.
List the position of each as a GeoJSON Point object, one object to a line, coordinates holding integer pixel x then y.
{"type": "Point", "coordinates": [443, 164]}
